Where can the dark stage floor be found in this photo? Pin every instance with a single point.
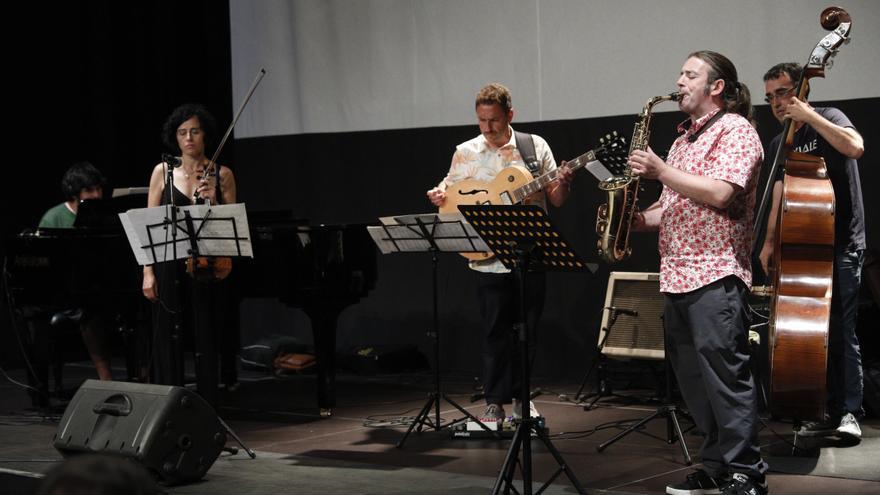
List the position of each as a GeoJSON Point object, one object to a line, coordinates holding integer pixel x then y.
{"type": "Point", "coordinates": [354, 451]}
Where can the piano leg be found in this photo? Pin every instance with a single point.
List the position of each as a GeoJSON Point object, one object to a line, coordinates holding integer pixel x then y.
{"type": "Point", "coordinates": [324, 332]}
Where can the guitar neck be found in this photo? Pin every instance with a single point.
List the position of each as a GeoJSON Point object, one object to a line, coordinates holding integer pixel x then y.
{"type": "Point", "coordinates": [541, 181]}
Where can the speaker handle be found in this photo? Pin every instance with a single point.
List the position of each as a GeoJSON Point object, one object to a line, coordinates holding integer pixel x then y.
{"type": "Point", "coordinates": [115, 405]}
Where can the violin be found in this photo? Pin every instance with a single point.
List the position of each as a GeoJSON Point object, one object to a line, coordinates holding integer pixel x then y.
{"type": "Point", "coordinates": [216, 268]}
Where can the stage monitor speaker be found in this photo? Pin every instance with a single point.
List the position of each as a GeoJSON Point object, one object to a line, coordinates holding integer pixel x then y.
{"type": "Point", "coordinates": [170, 430]}
{"type": "Point", "coordinates": [639, 336]}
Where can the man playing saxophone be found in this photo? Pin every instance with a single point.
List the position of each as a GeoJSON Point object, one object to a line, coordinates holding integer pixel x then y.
{"type": "Point", "coordinates": [704, 216]}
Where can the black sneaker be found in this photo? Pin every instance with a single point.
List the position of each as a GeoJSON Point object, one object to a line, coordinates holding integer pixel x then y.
{"type": "Point", "coordinates": [697, 483]}
{"type": "Point", "coordinates": [741, 484]}
{"type": "Point", "coordinates": [819, 428]}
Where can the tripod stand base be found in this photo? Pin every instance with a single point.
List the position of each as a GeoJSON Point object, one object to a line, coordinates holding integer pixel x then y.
{"type": "Point", "coordinates": [424, 418]}
{"type": "Point", "coordinates": [673, 429]}
{"type": "Point", "coordinates": [530, 428]}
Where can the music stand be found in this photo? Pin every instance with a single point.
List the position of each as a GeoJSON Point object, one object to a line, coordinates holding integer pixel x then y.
{"type": "Point", "coordinates": [433, 233]}
{"type": "Point", "coordinates": [523, 238]}
{"type": "Point", "coordinates": [216, 230]}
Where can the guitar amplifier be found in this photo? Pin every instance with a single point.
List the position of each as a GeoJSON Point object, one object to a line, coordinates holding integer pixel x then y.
{"type": "Point", "coordinates": [640, 336]}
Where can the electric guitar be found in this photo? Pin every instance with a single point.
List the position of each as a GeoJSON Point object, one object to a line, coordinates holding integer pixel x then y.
{"type": "Point", "coordinates": [515, 183]}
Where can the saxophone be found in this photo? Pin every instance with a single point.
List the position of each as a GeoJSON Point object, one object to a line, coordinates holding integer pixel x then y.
{"type": "Point", "coordinates": [614, 217]}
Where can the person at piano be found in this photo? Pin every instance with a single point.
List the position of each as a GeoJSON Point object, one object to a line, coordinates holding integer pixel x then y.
{"type": "Point", "coordinates": [183, 306]}
{"type": "Point", "coordinates": [80, 182]}
{"type": "Point", "coordinates": [482, 158]}
{"type": "Point", "coordinates": [828, 132]}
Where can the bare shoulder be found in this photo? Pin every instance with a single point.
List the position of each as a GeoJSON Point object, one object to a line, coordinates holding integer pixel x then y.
{"type": "Point", "coordinates": [160, 168]}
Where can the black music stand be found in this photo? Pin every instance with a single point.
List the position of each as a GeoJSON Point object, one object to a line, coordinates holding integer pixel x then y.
{"type": "Point", "coordinates": [523, 238]}
{"type": "Point", "coordinates": [433, 233]}
{"type": "Point", "coordinates": [667, 410]}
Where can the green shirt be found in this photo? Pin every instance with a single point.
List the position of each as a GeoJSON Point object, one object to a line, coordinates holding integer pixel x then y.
{"type": "Point", "coordinates": [58, 217]}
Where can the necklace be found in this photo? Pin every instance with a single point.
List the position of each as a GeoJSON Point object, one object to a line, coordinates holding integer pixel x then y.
{"type": "Point", "coordinates": [194, 173]}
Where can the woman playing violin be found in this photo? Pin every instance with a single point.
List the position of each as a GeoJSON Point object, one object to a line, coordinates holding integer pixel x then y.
{"type": "Point", "coordinates": [190, 130]}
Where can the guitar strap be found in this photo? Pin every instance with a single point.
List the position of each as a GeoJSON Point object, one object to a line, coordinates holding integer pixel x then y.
{"type": "Point", "coordinates": [526, 146]}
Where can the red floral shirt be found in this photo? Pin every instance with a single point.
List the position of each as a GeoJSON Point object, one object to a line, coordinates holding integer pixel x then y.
{"type": "Point", "coordinates": [700, 244]}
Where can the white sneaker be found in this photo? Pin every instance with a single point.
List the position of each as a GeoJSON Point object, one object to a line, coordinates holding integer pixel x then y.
{"type": "Point", "coordinates": [517, 410]}
{"type": "Point", "coordinates": [849, 426]}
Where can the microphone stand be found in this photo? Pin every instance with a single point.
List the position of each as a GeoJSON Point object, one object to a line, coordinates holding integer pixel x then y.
{"type": "Point", "coordinates": [603, 389]}
{"type": "Point", "coordinates": [171, 217]}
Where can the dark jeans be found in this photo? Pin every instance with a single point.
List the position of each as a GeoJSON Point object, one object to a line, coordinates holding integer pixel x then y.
{"type": "Point", "coordinates": [707, 332]}
{"type": "Point", "coordinates": [499, 310]}
{"type": "Point", "coordinates": [844, 358]}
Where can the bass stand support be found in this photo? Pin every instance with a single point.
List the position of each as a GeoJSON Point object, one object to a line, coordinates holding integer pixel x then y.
{"type": "Point", "coordinates": [521, 235]}
{"type": "Point", "coordinates": [668, 410]}
{"type": "Point", "coordinates": [603, 387]}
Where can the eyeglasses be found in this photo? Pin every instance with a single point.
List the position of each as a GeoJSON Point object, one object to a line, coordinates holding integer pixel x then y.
{"type": "Point", "coordinates": [778, 94]}
{"type": "Point", "coordinates": [195, 131]}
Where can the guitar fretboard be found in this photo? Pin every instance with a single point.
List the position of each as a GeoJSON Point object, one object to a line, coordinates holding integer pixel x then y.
{"type": "Point", "coordinates": [541, 181]}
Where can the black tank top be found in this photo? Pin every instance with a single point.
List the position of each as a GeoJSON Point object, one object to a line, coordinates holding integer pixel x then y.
{"type": "Point", "coordinates": [181, 199]}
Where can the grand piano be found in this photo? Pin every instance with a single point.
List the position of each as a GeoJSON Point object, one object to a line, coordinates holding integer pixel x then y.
{"type": "Point", "coordinates": [321, 269]}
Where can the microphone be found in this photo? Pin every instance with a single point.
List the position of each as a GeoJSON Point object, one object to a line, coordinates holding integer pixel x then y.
{"type": "Point", "coordinates": [622, 311]}
{"type": "Point", "coordinates": [171, 160]}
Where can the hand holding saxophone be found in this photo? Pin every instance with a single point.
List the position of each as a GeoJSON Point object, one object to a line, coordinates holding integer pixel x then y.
{"type": "Point", "coordinates": [646, 164]}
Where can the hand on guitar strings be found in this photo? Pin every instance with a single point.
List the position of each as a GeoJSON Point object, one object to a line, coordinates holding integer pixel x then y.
{"type": "Point", "coordinates": [437, 196]}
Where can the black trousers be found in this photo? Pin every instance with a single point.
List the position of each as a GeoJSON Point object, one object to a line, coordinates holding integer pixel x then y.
{"type": "Point", "coordinates": [190, 309]}
{"type": "Point", "coordinates": [499, 310]}
{"type": "Point", "coordinates": [707, 333]}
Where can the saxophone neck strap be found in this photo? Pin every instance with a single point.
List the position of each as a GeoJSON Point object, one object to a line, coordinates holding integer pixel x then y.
{"type": "Point", "coordinates": [693, 137]}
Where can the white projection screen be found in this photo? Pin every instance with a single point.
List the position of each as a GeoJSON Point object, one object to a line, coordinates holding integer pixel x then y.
{"type": "Point", "coordinates": [353, 65]}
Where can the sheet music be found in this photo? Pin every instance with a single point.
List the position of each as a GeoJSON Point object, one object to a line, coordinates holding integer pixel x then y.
{"type": "Point", "coordinates": [222, 234]}
{"type": "Point", "coordinates": [598, 170]}
{"type": "Point", "coordinates": [128, 191]}
{"type": "Point", "coordinates": [403, 234]}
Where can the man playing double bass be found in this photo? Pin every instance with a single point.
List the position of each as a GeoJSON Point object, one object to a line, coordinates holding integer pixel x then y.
{"type": "Point", "coordinates": [828, 133]}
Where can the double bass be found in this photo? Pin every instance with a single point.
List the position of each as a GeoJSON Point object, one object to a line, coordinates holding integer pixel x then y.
{"type": "Point", "coordinates": [803, 256]}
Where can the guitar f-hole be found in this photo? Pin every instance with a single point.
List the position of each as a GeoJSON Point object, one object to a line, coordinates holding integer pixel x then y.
{"type": "Point", "coordinates": [473, 191]}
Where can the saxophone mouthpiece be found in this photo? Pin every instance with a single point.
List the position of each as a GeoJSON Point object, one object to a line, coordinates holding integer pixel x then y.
{"type": "Point", "coordinates": [675, 96]}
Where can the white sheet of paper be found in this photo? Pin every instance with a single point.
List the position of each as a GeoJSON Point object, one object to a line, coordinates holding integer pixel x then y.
{"type": "Point", "coordinates": [598, 170]}
{"type": "Point", "coordinates": [149, 233]}
{"type": "Point", "coordinates": [402, 234]}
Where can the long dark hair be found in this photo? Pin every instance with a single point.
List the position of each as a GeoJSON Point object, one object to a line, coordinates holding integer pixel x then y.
{"type": "Point", "coordinates": [736, 95]}
{"type": "Point", "coordinates": [183, 113]}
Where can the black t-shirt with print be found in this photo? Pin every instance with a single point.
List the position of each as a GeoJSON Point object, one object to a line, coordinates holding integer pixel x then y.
{"type": "Point", "coordinates": [849, 218]}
